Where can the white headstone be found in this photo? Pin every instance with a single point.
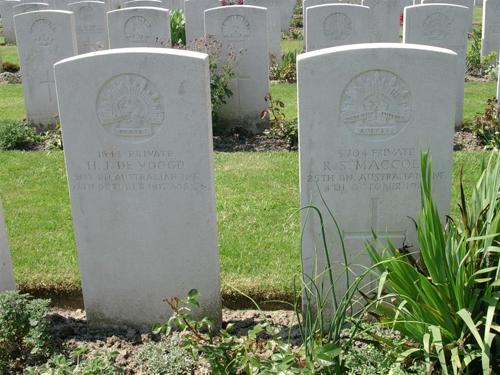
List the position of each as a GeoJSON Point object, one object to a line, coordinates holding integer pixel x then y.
{"type": "Point", "coordinates": [385, 20]}
{"type": "Point", "coordinates": [43, 38]}
{"type": "Point", "coordinates": [498, 85]}
{"type": "Point", "coordinates": [403, 4]}
{"type": "Point", "coordinates": [287, 7]}
{"type": "Point", "coordinates": [7, 13]}
{"type": "Point", "coordinates": [273, 26]}
{"type": "Point", "coordinates": [114, 4]}
{"type": "Point", "coordinates": [333, 25]}
{"type": "Point", "coordinates": [138, 152]}
{"type": "Point", "coordinates": [307, 4]}
{"type": "Point", "coordinates": [465, 3]}
{"type": "Point", "coordinates": [194, 17]}
{"type": "Point", "coordinates": [441, 25]}
{"type": "Point", "coordinates": [242, 30]}
{"type": "Point", "coordinates": [29, 7]}
{"type": "Point", "coordinates": [6, 275]}
{"type": "Point", "coordinates": [91, 27]}
{"type": "Point", "coordinates": [365, 112]}
{"type": "Point", "coordinates": [144, 3]}
{"type": "Point", "coordinates": [491, 28]}
{"type": "Point", "coordinates": [173, 4]}
{"type": "Point", "coordinates": [139, 27]}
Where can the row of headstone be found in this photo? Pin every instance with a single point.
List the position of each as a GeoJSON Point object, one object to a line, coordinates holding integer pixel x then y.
{"type": "Point", "coordinates": [490, 40]}
{"type": "Point", "coordinates": [6, 275]}
{"type": "Point", "coordinates": [43, 39]}
{"type": "Point", "coordinates": [138, 152]}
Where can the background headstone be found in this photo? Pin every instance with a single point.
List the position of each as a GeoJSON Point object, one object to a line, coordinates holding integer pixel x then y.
{"type": "Point", "coordinates": [445, 26]}
{"type": "Point", "coordinates": [287, 7]}
{"type": "Point", "coordinates": [90, 25]}
{"type": "Point", "coordinates": [385, 20]}
{"type": "Point", "coordinates": [273, 26]}
{"type": "Point", "coordinates": [194, 17]}
{"type": "Point", "coordinates": [139, 27]}
{"type": "Point", "coordinates": [138, 152]}
{"type": "Point", "coordinates": [365, 112]}
{"type": "Point", "coordinates": [490, 40]}
{"type": "Point", "coordinates": [29, 7]}
{"type": "Point", "coordinates": [242, 30]}
{"type": "Point", "coordinates": [6, 275]}
{"type": "Point", "coordinates": [43, 38]}
{"type": "Point", "coordinates": [7, 14]}
{"type": "Point", "coordinates": [333, 25]}
{"type": "Point", "coordinates": [465, 3]}
{"type": "Point", "coordinates": [144, 3]}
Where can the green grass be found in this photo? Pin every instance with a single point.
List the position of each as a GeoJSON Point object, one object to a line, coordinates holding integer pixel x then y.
{"type": "Point", "coordinates": [475, 97]}
{"type": "Point", "coordinates": [292, 45]}
{"type": "Point", "coordinates": [11, 102]}
{"type": "Point", "coordinates": [9, 53]}
{"type": "Point", "coordinates": [477, 17]}
{"type": "Point", "coordinates": [257, 202]}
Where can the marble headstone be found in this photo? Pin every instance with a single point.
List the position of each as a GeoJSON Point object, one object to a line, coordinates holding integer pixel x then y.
{"type": "Point", "coordinates": [7, 14]}
{"type": "Point", "coordinates": [6, 275]}
{"type": "Point", "coordinates": [29, 7]}
{"type": "Point", "coordinates": [139, 27]}
{"type": "Point", "coordinates": [273, 26]}
{"type": "Point", "coordinates": [365, 112]}
{"type": "Point", "coordinates": [194, 17]}
{"type": "Point", "coordinates": [144, 3]}
{"type": "Point", "coordinates": [287, 7]}
{"type": "Point", "coordinates": [43, 38]}
{"type": "Point", "coordinates": [441, 25]}
{"type": "Point", "coordinates": [491, 28]}
{"type": "Point", "coordinates": [334, 25]}
{"type": "Point", "coordinates": [138, 152]}
{"type": "Point", "coordinates": [465, 3]}
{"type": "Point", "coordinates": [385, 20]}
{"type": "Point", "coordinates": [242, 30]}
{"type": "Point", "coordinates": [90, 25]}
{"type": "Point", "coordinates": [311, 3]}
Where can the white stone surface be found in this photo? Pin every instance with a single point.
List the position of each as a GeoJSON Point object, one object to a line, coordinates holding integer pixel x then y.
{"type": "Point", "coordinates": [385, 20]}
{"type": "Point", "coordinates": [365, 112]}
{"type": "Point", "coordinates": [7, 14]}
{"type": "Point", "coordinates": [498, 87]}
{"type": "Point", "coordinates": [6, 275]}
{"type": "Point", "coordinates": [144, 3]}
{"type": "Point", "coordinates": [173, 4]}
{"type": "Point", "coordinates": [29, 7]}
{"type": "Point", "coordinates": [287, 7]}
{"type": "Point", "coordinates": [194, 17]}
{"type": "Point", "coordinates": [307, 4]}
{"type": "Point", "coordinates": [465, 3]}
{"type": "Point", "coordinates": [114, 4]}
{"type": "Point", "coordinates": [491, 27]}
{"type": "Point", "coordinates": [43, 38]}
{"type": "Point", "coordinates": [441, 25]}
{"type": "Point", "coordinates": [273, 25]}
{"type": "Point", "coordinates": [242, 30]}
{"type": "Point", "coordinates": [403, 4]}
{"type": "Point", "coordinates": [139, 27]}
{"type": "Point", "coordinates": [138, 152]}
{"type": "Point", "coordinates": [333, 25]}
{"type": "Point", "coordinates": [90, 24]}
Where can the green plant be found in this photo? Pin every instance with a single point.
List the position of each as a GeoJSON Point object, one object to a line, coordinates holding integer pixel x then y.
{"type": "Point", "coordinates": [178, 27]}
{"type": "Point", "coordinates": [52, 139]}
{"type": "Point", "coordinates": [286, 70]}
{"type": "Point", "coordinates": [221, 72]}
{"type": "Point", "coordinates": [23, 329]}
{"type": "Point", "coordinates": [448, 300]}
{"type": "Point", "coordinates": [80, 362]}
{"type": "Point", "coordinates": [279, 126]}
{"type": "Point", "coordinates": [486, 126]}
{"type": "Point", "coordinates": [474, 63]}
{"type": "Point", "coordinates": [10, 67]}
{"type": "Point", "coordinates": [16, 135]}
{"type": "Point", "coordinates": [165, 357]}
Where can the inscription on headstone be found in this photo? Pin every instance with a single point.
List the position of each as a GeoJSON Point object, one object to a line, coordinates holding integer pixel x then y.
{"type": "Point", "coordinates": [91, 28]}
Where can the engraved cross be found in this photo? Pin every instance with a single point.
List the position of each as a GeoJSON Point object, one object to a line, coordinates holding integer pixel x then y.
{"type": "Point", "coordinates": [49, 81]}
{"type": "Point", "coordinates": [367, 235]}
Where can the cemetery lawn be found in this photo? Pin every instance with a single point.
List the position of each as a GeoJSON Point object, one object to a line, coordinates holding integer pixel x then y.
{"type": "Point", "coordinates": [9, 53]}
{"type": "Point", "coordinates": [257, 202]}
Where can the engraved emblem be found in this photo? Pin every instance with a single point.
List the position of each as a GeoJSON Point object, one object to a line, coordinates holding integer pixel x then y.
{"type": "Point", "coordinates": [130, 107]}
{"type": "Point", "coordinates": [43, 32]}
{"type": "Point", "coordinates": [376, 104]}
{"type": "Point", "coordinates": [86, 15]}
{"type": "Point", "coordinates": [138, 29]}
{"type": "Point", "coordinates": [437, 27]}
{"type": "Point", "coordinates": [236, 28]}
{"type": "Point", "coordinates": [337, 26]}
